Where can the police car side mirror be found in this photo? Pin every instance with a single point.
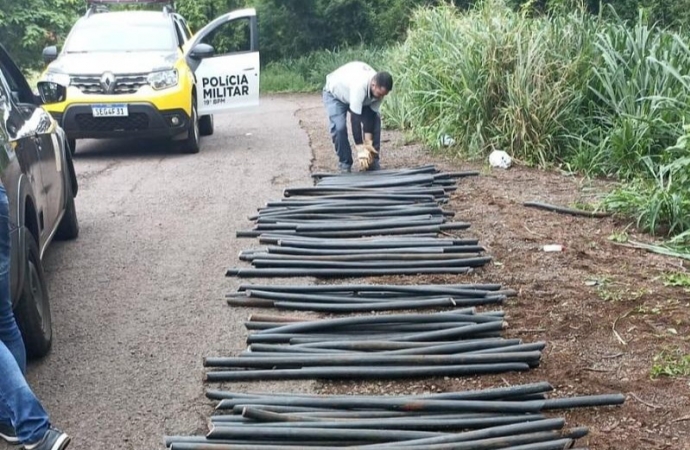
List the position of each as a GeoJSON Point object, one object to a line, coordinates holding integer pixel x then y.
{"type": "Point", "coordinates": [51, 92]}
{"type": "Point", "coordinates": [50, 54]}
{"type": "Point", "coordinates": [201, 51]}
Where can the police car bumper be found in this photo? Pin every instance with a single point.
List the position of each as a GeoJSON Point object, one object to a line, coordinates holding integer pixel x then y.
{"type": "Point", "coordinates": [143, 120]}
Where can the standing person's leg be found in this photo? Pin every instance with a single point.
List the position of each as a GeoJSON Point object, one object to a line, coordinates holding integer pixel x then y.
{"type": "Point", "coordinates": [16, 399]}
{"type": "Point", "coordinates": [9, 332]}
{"type": "Point", "coordinates": [337, 116]}
{"type": "Point", "coordinates": [22, 417]}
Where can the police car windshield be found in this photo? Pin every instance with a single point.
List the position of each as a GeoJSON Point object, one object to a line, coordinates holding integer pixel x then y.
{"type": "Point", "coordinates": [121, 37]}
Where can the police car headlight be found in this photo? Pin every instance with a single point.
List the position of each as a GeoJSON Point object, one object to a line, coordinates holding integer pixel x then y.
{"type": "Point", "coordinates": [163, 80]}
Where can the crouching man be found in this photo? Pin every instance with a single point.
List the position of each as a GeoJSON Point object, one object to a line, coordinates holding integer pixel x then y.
{"type": "Point", "coordinates": [358, 88]}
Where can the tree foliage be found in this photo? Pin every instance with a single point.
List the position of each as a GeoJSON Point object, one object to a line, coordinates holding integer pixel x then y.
{"type": "Point", "coordinates": [292, 28]}
{"type": "Point", "coordinates": [29, 25]}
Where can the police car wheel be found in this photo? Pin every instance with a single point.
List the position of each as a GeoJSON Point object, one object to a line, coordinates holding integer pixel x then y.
{"type": "Point", "coordinates": [206, 125]}
{"type": "Point", "coordinates": [192, 144]}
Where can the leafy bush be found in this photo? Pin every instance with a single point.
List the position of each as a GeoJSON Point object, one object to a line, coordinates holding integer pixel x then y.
{"type": "Point", "coordinates": [596, 96]}
{"type": "Point", "coordinates": [659, 199]}
{"type": "Point", "coordinates": [494, 78]}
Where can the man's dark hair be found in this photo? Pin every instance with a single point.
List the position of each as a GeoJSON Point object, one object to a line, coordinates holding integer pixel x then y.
{"type": "Point", "coordinates": [384, 80]}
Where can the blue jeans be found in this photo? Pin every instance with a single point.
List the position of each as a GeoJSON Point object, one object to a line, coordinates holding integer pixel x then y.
{"type": "Point", "coordinates": [337, 116]}
{"type": "Point", "coordinates": [19, 406]}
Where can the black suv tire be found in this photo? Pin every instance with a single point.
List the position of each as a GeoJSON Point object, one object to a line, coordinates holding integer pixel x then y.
{"type": "Point", "coordinates": [33, 309]}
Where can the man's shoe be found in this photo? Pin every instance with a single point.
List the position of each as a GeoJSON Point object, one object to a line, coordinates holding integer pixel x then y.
{"type": "Point", "coordinates": [54, 439]}
{"type": "Point", "coordinates": [8, 434]}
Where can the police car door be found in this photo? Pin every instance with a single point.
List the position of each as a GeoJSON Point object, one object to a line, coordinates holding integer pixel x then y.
{"type": "Point", "coordinates": [225, 58]}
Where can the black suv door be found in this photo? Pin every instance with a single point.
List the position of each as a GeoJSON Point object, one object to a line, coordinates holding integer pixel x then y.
{"type": "Point", "coordinates": [38, 155]}
{"type": "Point", "coordinates": [21, 140]}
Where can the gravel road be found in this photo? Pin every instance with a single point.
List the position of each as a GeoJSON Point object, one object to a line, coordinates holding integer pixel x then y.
{"type": "Point", "coordinates": [138, 299]}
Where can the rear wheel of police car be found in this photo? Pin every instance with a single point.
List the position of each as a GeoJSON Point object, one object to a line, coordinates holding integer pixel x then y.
{"type": "Point", "coordinates": [33, 310]}
{"type": "Point", "coordinates": [206, 125]}
{"type": "Point", "coordinates": [192, 144]}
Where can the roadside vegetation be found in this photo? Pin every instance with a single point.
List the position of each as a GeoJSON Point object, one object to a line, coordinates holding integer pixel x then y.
{"type": "Point", "coordinates": [306, 74]}
{"type": "Point", "coordinates": [671, 363]}
{"type": "Point", "coordinates": [574, 91]}
{"type": "Point", "coordinates": [602, 97]}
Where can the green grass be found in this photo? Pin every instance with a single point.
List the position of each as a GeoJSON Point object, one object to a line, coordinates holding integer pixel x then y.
{"type": "Point", "coordinates": [671, 363]}
{"type": "Point", "coordinates": [308, 73]}
{"type": "Point", "coordinates": [281, 79]}
{"type": "Point", "coordinates": [610, 291]}
{"type": "Point", "coordinates": [677, 279]}
{"type": "Point", "coordinates": [493, 78]}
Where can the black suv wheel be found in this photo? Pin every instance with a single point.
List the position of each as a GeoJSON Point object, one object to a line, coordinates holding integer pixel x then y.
{"type": "Point", "coordinates": [33, 310]}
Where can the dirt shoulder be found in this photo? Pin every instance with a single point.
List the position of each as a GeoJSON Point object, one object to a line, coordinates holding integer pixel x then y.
{"type": "Point", "coordinates": [603, 309]}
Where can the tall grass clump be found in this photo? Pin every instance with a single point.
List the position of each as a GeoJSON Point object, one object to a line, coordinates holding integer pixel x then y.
{"type": "Point", "coordinates": [494, 78]}
{"type": "Point", "coordinates": [659, 198]}
{"type": "Point", "coordinates": [642, 93]}
{"type": "Point", "coordinates": [601, 97]}
{"type": "Point", "coordinates": [637, 104]}
{"type": "Point", "coordinates": [307, 73]}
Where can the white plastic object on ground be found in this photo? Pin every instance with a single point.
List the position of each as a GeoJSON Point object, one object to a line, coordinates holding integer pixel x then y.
{"type": "Point", "coordinates": [446, 140]}
{"type": "Point", "coordinates": [500, 159]}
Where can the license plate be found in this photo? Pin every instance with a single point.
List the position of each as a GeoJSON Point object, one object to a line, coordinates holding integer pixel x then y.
{"type": "Point", "coordinates": [114, 110]}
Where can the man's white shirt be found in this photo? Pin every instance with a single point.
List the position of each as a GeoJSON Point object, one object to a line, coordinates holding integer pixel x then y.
{"type": "Point", "coordinates": [351, 84]}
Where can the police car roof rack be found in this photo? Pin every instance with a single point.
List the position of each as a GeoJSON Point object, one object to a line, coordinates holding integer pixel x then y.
{"type": "Point", "coordinates": [96, 6]}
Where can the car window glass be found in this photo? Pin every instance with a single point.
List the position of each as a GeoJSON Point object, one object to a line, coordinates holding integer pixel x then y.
{"type": "Point", "coordinates": [4, 112]}
{"type": "Point", "coordinates": [231, 37]}
{"type": "Point", "coordinates": [17, 91]}
{"type": "Point", "coordinates": [180, 35]}
{"type": "Point", "coordinates": [12, 122]}
{"type": "Point", "coordinates": [185, 28]}
{"type": "Point", "coordinates": [11, 82]}
{"type": "Point", "coordinates": [121, 37]}
{"type": "Point", "coordinates": [20, 91]}
{"type": "Point", "coordinates": [3, 90]}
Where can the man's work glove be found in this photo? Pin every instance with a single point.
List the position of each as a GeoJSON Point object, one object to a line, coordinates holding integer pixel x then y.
{"type": "Point", "coordinates": [369, 145]}
{"type": "Point", "coordinates": [369, 142]}
{"type": "Point", "coordinates": [364, 156]}
{"type": "Point", "coordinates": [370, 151]}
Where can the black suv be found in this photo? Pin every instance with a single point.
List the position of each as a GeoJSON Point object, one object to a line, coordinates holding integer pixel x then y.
{"type": "Point", "coordinates": [37, 172]}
